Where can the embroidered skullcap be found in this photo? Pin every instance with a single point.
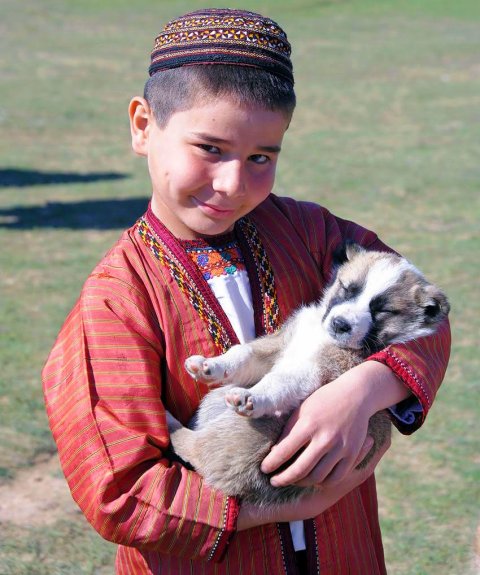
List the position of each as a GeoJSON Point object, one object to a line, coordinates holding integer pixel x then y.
{"type": "Point", "coordinates": [223, 36]}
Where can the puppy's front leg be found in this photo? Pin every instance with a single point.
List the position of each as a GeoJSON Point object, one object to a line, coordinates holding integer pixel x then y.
{"type": "Point", "coordinates": [235, 363]}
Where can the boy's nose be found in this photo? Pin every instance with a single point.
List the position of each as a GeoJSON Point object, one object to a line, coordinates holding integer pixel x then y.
{"type": "Point", "coordinates": [229, 178]}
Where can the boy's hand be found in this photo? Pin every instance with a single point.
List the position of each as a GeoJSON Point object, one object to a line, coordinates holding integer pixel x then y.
{"type": "Point", "coordinates": [309, 506]}
{"type": "Point", "coordinates": [328, 433]}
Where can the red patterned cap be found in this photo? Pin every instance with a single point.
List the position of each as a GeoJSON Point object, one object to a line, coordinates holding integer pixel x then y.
{"type": "Point", "coordinates": [223, 36]}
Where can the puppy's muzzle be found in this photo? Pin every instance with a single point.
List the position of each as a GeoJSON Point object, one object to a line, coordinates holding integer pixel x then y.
{"type": "Point", "coordinates": [340, 326]}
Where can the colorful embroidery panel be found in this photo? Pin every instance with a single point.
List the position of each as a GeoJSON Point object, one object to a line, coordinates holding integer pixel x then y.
{"type": "Point", "coordinates": [186, 284]}
{"type": "Point", "coordinates": [271, 311]}
{"type": "Point", "coordinates": [226, 260]}
{"type": "Point", "coordinates": [215, 261]}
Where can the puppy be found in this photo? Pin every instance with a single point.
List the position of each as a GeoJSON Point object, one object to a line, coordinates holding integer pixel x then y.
{"type": "Point", "coordinates": [375, 299]}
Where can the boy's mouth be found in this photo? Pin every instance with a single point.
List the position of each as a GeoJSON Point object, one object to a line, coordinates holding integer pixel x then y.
{"type": "Point", "coordinates": [213, 210]}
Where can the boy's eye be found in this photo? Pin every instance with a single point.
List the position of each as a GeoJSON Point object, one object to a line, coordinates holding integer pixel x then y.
{"type": "Point", "coordinates": [259, 159]}
{"type": "Point", "coordinates": [209, 148]}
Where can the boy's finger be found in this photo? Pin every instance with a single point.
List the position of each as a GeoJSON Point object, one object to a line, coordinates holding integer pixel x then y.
{"type": "Point", "coordinates": [345, 466]}
{"type": "Point", "coordinates": [366, 471]}
{"type": "Point", "coordinates": [279, 455]}
{"type": "Point", "coordinates": [319, 471]}
{"type": "Point", "coordinates": [337, 472]}
{"type": "Point", "coordinates": [366, 447]}
{"type": "Point", "coordinates": [285, 449]}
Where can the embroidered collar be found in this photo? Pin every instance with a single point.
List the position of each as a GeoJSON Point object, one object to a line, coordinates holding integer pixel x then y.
{"type": "Point", "coordinates": [172, 254]}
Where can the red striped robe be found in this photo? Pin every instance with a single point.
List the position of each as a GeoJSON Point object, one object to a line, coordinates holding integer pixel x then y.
{"type": "Point", "coordinates": [118, 364]}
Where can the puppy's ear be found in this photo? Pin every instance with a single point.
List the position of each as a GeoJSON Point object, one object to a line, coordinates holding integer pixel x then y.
{"type": "Point", "coordinates": [433, 301]}
{"type": "Point", "coordinates": [346, 252]}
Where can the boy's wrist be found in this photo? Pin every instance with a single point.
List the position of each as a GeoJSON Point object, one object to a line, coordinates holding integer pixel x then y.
{"type": "Point", "coordinates": [378, 386]}
{"type": "Point", "coordinates": [254, 516]}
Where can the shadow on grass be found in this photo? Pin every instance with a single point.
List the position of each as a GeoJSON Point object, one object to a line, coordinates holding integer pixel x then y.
{"type": "Point", "coordinates": [88, 214]}
{"type": "Point", "coordinates": [19, 178]}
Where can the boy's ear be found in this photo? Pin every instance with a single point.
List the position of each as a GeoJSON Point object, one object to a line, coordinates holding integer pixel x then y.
{"type": "Point", "coordinates": [140, 120]}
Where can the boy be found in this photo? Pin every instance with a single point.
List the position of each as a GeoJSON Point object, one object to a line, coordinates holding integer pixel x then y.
{"type": "Point", "coordinates": [215, 260]}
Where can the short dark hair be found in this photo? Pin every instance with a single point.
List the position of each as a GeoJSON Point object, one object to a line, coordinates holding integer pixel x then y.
{"type": "Point", "coordinates": [178, 89]}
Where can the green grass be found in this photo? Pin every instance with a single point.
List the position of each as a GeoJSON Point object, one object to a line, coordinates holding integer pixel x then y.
{"type": "Point", "coordinates": [68, 548]}
{"type": "Point", "coordinates": [387, 132]}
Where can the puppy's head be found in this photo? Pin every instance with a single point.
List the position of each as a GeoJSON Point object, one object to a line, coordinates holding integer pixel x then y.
{"type": "Point", "coordinates": [377, 299]}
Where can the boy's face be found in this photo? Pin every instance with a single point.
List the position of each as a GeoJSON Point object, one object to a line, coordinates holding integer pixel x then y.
{"type": "Point", "coordinates": [209, 165]}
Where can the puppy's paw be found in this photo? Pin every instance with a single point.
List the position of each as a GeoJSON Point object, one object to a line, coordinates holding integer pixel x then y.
{"type": "Point", "coordinates": [194, 365]}
{"type": "Point", "coordinates": [240, 400]}
{"type": "Point", "coordinates": [204, 369]}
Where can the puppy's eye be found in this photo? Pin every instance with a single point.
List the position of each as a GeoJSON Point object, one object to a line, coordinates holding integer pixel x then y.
{"type": "Point", "coordinates": [387, 311]}
{"type": "Point", "coordinates": [349, 290]}
{"type": "Point", "coordinates": [377, 305]}
{"type": "Point", "coordinates": [342, 290]}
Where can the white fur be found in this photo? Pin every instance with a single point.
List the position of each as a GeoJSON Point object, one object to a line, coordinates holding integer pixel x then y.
{"type": "Point", "coordinates": [294, 372]}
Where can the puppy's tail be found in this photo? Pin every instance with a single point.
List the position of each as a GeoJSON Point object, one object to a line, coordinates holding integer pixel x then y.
{"type": "Point", "coordinates": [172, 423]}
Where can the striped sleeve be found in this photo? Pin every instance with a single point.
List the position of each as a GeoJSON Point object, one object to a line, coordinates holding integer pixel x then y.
{"type": "Point", "coordinates": [421, 364]}
{"type": "Point", "coordinates": [102, 386]}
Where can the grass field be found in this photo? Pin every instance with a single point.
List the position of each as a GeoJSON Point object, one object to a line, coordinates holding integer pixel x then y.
{"type": "Point", "coordinates": [387, 132]}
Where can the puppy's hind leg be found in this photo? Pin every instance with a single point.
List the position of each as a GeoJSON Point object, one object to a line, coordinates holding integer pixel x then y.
{"type": "Point", "coordinates": [182, 440]}
{"type": "Point", "coordinates": [279, 391]}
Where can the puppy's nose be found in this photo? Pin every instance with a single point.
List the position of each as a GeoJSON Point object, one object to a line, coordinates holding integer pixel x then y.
{"type": "Point", "coordinates": [341, 325]}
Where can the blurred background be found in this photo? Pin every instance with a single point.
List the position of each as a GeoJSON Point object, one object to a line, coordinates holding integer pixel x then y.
{"type": "Point", "coordinates": [386, 132]}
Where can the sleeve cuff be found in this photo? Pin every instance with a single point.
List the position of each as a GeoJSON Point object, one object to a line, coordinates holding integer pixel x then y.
{"type": "Point", "coordinates": [406, 412]}
{"type": "Point", "coordinates": [231, 512]}
{"type": "Point", "coordinates": [410, 414]}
